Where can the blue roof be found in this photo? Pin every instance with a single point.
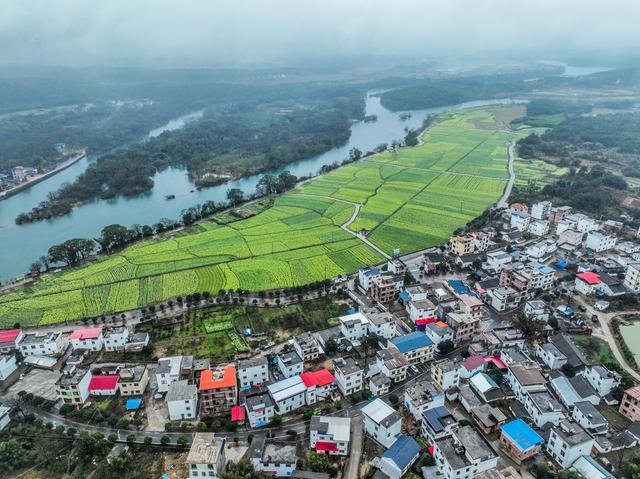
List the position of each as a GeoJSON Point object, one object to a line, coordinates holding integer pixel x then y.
{"type": "Point", "coordinates": [404, 296]}
{"type": "Point", "coordinates": [561, 265]}
{"type": "Point", "coordinates": [403, 452]}
{"type": "Point", "coordinates": [433, 416]}
{"type": "Point", "coordinates": [521, 434]}
{"type": "Point", "coordinates": [371, 271]}
{"type": "Point", "coordinates": [412, 341]}
{"type": "Point", "coordinates": [458, 286]}
{"type": "Point", "coordinates": [133, 404]}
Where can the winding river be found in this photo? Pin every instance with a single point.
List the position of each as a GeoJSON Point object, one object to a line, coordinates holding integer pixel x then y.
{"type": "Point", "coordinates": [21, 245]}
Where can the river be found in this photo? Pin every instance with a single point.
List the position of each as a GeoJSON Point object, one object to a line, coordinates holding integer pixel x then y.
{"type": "Point", "coordinates": [21, 245]}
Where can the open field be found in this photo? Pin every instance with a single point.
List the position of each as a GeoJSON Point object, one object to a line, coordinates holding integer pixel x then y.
{"type": "Point", "coordinates": [412, 199]}
{"type": "Point", "coordinates": [538, 172]}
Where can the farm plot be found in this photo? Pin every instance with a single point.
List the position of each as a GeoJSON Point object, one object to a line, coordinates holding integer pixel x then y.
{"type": "Point", "coordinates": [409, 199]}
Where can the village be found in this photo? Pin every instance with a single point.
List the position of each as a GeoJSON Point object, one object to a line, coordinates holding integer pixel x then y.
{"type": "Point", "coordinates": [476, 359]}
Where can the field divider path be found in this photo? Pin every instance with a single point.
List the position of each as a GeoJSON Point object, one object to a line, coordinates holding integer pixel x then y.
{"type": "Point", "coordinates": [345, 226]}
{"type": "Point", "coordinates": [431, 170]}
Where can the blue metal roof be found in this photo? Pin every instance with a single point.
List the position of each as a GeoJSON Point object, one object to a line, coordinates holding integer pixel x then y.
{"type": "Point", "coordinates": [403, 452]}
{"type": "Point", "coordinates": [521, 434]}
{"type": "Point", "coordinates": [133, 404]}
{"type": "Point", "coordinates": [404, 296]}
{"type": "Point", "coordinates": [410, 342]}
{"type": "Point", "coordinates": [458, 286]}
{"type": "Point", "coordinates": [371, 271]}
{"type": "Point", "coordinates": [433, 416]}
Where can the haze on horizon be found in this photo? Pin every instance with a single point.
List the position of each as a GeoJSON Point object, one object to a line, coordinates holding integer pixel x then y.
{"type": "Point", "coordinates": [236, 33]}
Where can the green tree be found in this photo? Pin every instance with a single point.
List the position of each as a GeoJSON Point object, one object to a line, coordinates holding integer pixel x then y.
{"type": "Point", "coordinates": [148, 441]}
{"type": "Point", "coordinates": [235, 196]}
{"type": "Point", "coordinates": [113, 237]}
{"type": "Point", "coordinates": [568, 370]}
{"type": "Point", "coordinates": [165, 440]}
{"type": "Point", "coordinates": [446, 346]}
{"type": "Point", "coordinates": [182, 441]}
{"type": "Point", "coordinates": [318, 461]}
{"type": "Point", "coordinates": [240, 470]}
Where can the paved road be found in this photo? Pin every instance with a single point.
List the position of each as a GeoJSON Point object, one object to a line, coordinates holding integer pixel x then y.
{"type": "Point", "coordinates": [602, 330]}
{"type": "Point", "coordinates": [355, 451]}
{"type": "Point", "coordinates": [504, 201]}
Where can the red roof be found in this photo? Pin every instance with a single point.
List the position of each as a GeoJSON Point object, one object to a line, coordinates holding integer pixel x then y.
{"type": "Point", "coordinates": [473, 363]}
{"type": "Point", "coordinates": [216, 380]}
{"type": "Point", "coordinates": [103, 383]}
{"type": "Point", "coordinates": [431, 449]}
{"type": "Point", "coordinates": [427, 320]}
{"type": "Point", "coordinates": [86, 333]}
{"type": "Point", "coordinates": [237, 413]}
{"type": "Point", "coordinates": [326, 446]}
{"type": "Point", "coordinates": [317, 378]}
{"type": "Point", "coordinates": [497, 361]}
{"type": "Point", "coordinates": [589, 277]}
{"type": "Point", "coordinates": [9, 335]}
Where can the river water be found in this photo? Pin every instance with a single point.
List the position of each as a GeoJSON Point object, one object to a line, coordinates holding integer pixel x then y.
{"type": "Point", "coordinates": [21, 245]}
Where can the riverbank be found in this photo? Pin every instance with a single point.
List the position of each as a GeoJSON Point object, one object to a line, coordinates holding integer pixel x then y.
{"type": "Point", "coordinates": [38, 178]}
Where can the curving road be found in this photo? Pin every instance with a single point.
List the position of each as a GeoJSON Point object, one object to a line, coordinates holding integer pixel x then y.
{"type": "Point", "coordinates": [504, 201]}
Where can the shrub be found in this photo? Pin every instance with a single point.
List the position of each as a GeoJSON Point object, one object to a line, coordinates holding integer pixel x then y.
{"type": "Point", "coordinates": [148, 440]}
{"type": "Point", "coordinates": [164, 440]}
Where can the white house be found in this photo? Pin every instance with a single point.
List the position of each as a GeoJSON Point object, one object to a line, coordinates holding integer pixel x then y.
{"type": "Point", "coordinates": [354, 327]}
{"type": "Point", "coordinates": [525, 377]}
{"type": "Point", "coordinates": [330, 434]}
{"type": "Point", "coordinates": [396, 461]}
{"type": "Point", "coordinates": [586, 414]}
{"type": "Point", "coordinates": [260, 409]}
{"type": "Point", "coordinates": [320, 385]}
{"type": "Point", "coordinates": [115, 339]}
{"type": "Point", "coordinates": [519, 220]}
{"type": "Point", "coordinates": [420, 397]}
{"type": "Point", "coordinates": [464, 454]}
{"type": "Point", "coordinates": [104, 385]}
{"type": "Point", "coordinates": [416, 347]}
{"type": "Point", "coordinates": [567, 442]}
{"type": "Point", "coordinates": [438, 332]}
{"type": "Point", "coordinates": [632, 277]}
{"type": "Point", "coordinates": [288, 394]}
{"type": "Point", "coordinates": [539, 227]}
{"type": "Point", "coordinates": [87, 338]}
{"type": "Point", "coordinates": [182, 400]}
{"type": "Point", "coordinates": [381, 422]}
{"type": "Point", "coordinates": [536, 309]}
{"type": "Point", "coordinates": [273, 458]}
{"type": "Point", "coordinates": [496, 260]}
{"type": "Point", "coordinates": [367, 275]}
{"type": "Point", "coordinates": [578, 222]}
{"type": "Point", "coordinates": [573, 390]}
{"type": "Point", "coordinates": [598, 242]}
{"type": "Point", "coordinates": [9, 340]}
{"type": "Point", "coordinates": [46, 344]}
{"type": "Point", "coordinates": [73, 386]}
{"type": "Point", "coordinates": [541, 210]}
{"type": "Point", "coordinates": [253, 371]}
{"type": "Point", "coordinates": [168, 372]}
{"type": "Point", "coordinates": [379, 384]}
{"type": "Point", "coordinates": [349, 376]}
{"type": "Point", "coordinates": [290, 364]}
{"type": "Point", "coordinates": [306, 346]}
{"type": "Point", "coordinates": [587, 283]}
{"type": "Point", "coordinates": [543, 408]}
{"type": "Point", "coordinates": [551, 356]}
{"type": "Point", "coordinates": [206, 456]}
{"type": "Point", "coordinates": [382, 324]}
{"type": "Point", "coordinates": [445, 374]}
{"type": "Point", "coordinates": [7, 365]}
{"type": "Point", "coordinates": [601, 379]}
{"type": "Point", "coordinates": [421, 308]}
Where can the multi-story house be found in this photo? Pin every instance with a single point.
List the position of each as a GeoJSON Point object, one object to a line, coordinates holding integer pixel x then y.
{"type": "Point", "coordinates": [559, 213]}
{"type": "Point", "coordinates": [439, 332]}
{"type": "Point", "coordinates": [87, 338]}
{"type": "Point", "coordinates": [630, 404]}
{"type": "Point", "coordinates": [289, 394]}
{"type": "Point", "coordinates": [272, 458]}
{"type": "Point", "coordinates": [46, 344]}
{"type": "Point", "coordinates": [383, 324]}
{"type": "Point", "coordinates": [464, 454]}
{"type": "Point", "coordinates": [381, 422]}
{"type": "Point", "coordinates": [538, 228]}
{"type": "Point", "coordinates": [115, 339]}
{"type": "Point", "coordinates": [416, 347]}
{"type": "Point", "coordinates": [420, 308]}
{"type": "Point", "coordinates": [218, 390]}
{"type": "Point", "coordinates": [182, 400]}
{"type": "Point", "coordinates": [73, 386]}
{"type": "Point", "coordinates": [7, 365]}
{"type": "Point", "coordinates": [520, 440]}
{"type": "Point", "coordinates": [206, 457]}
{"type": "Point", "coordinates": [290, 364]}
{"type": "Point", "coordinates": [520, 221]}
{"type": "Point", "coordinates": [503, 299]}
{"type": "Point", "coordinates": [398, 459]}
{"type": "Point", "coordinates": [462, 244]}
{"type": "Point", "coordinates": [542, 408]}
{"type": "Point", "coordinates": [445, 374]}
{"type": "Point", "coordinates": [171, 369]}
{"type": "Point", "coordinates": [601, 379]}
{"type": "Point", "coordinates": [465, 326]}
{"type": "Point", "coordinates": [354, 327]}
{"type": "Point", "coordinates": [551, 356]}
{"type": "Point", "coordinates": [420, 397]}
{"type": "Point", "coordinates": [567, 442]}
{"type": "Point", "coordinates": [260, 409]}
{"type": "Point", "coordinates": [632, 277]}
{"type": "Point", "coordinates": [592, 420]}
{"type": "Point", "coordinates": [133, 380]}
{"type": "Point", "coordinates": [496, 260]}
{"type": "Point", "coordinates": [385, 288]}
{"type": "Point", "coordinates": [306, 346]}
{"type": "Point", "coordinates": [9, 340]}
{"type": "Point", "coordinates": [597, 241]}
{"type": "Point", "coordinates": [366, 277]}
{"type": "Point", "coordinates": [587, 283]}
{"type": "Point", "coordinates": [320, 385]}
{"type": "Point", "coordinates": [471, 305]}
{"type": "Point", "coordinates": [392, 364]}
{"type": "Point", "coordinates": [541, 210]}
{"type": "Point", "coordinates": [524, 378]}
{"type": "Point", "coordinates": [330, 434]}
{"type": "Point", "coordinates": [253, 371]}
{"type": "Point", "coordinates": [349, 375]}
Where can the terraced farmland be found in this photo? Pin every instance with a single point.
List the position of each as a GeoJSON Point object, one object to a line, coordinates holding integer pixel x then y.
{"type": "Point", "coordinates": [411, 199]}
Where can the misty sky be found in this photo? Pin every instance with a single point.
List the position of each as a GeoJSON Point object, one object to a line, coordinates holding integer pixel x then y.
{"type": "Point", "coordinates": [240, 32]}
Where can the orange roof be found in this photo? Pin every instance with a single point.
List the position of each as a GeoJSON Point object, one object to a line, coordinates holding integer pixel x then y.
{"type": "Point", "coordinates": [214, 380]}
{"type": "Point", "coordinates": [440, 324]}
